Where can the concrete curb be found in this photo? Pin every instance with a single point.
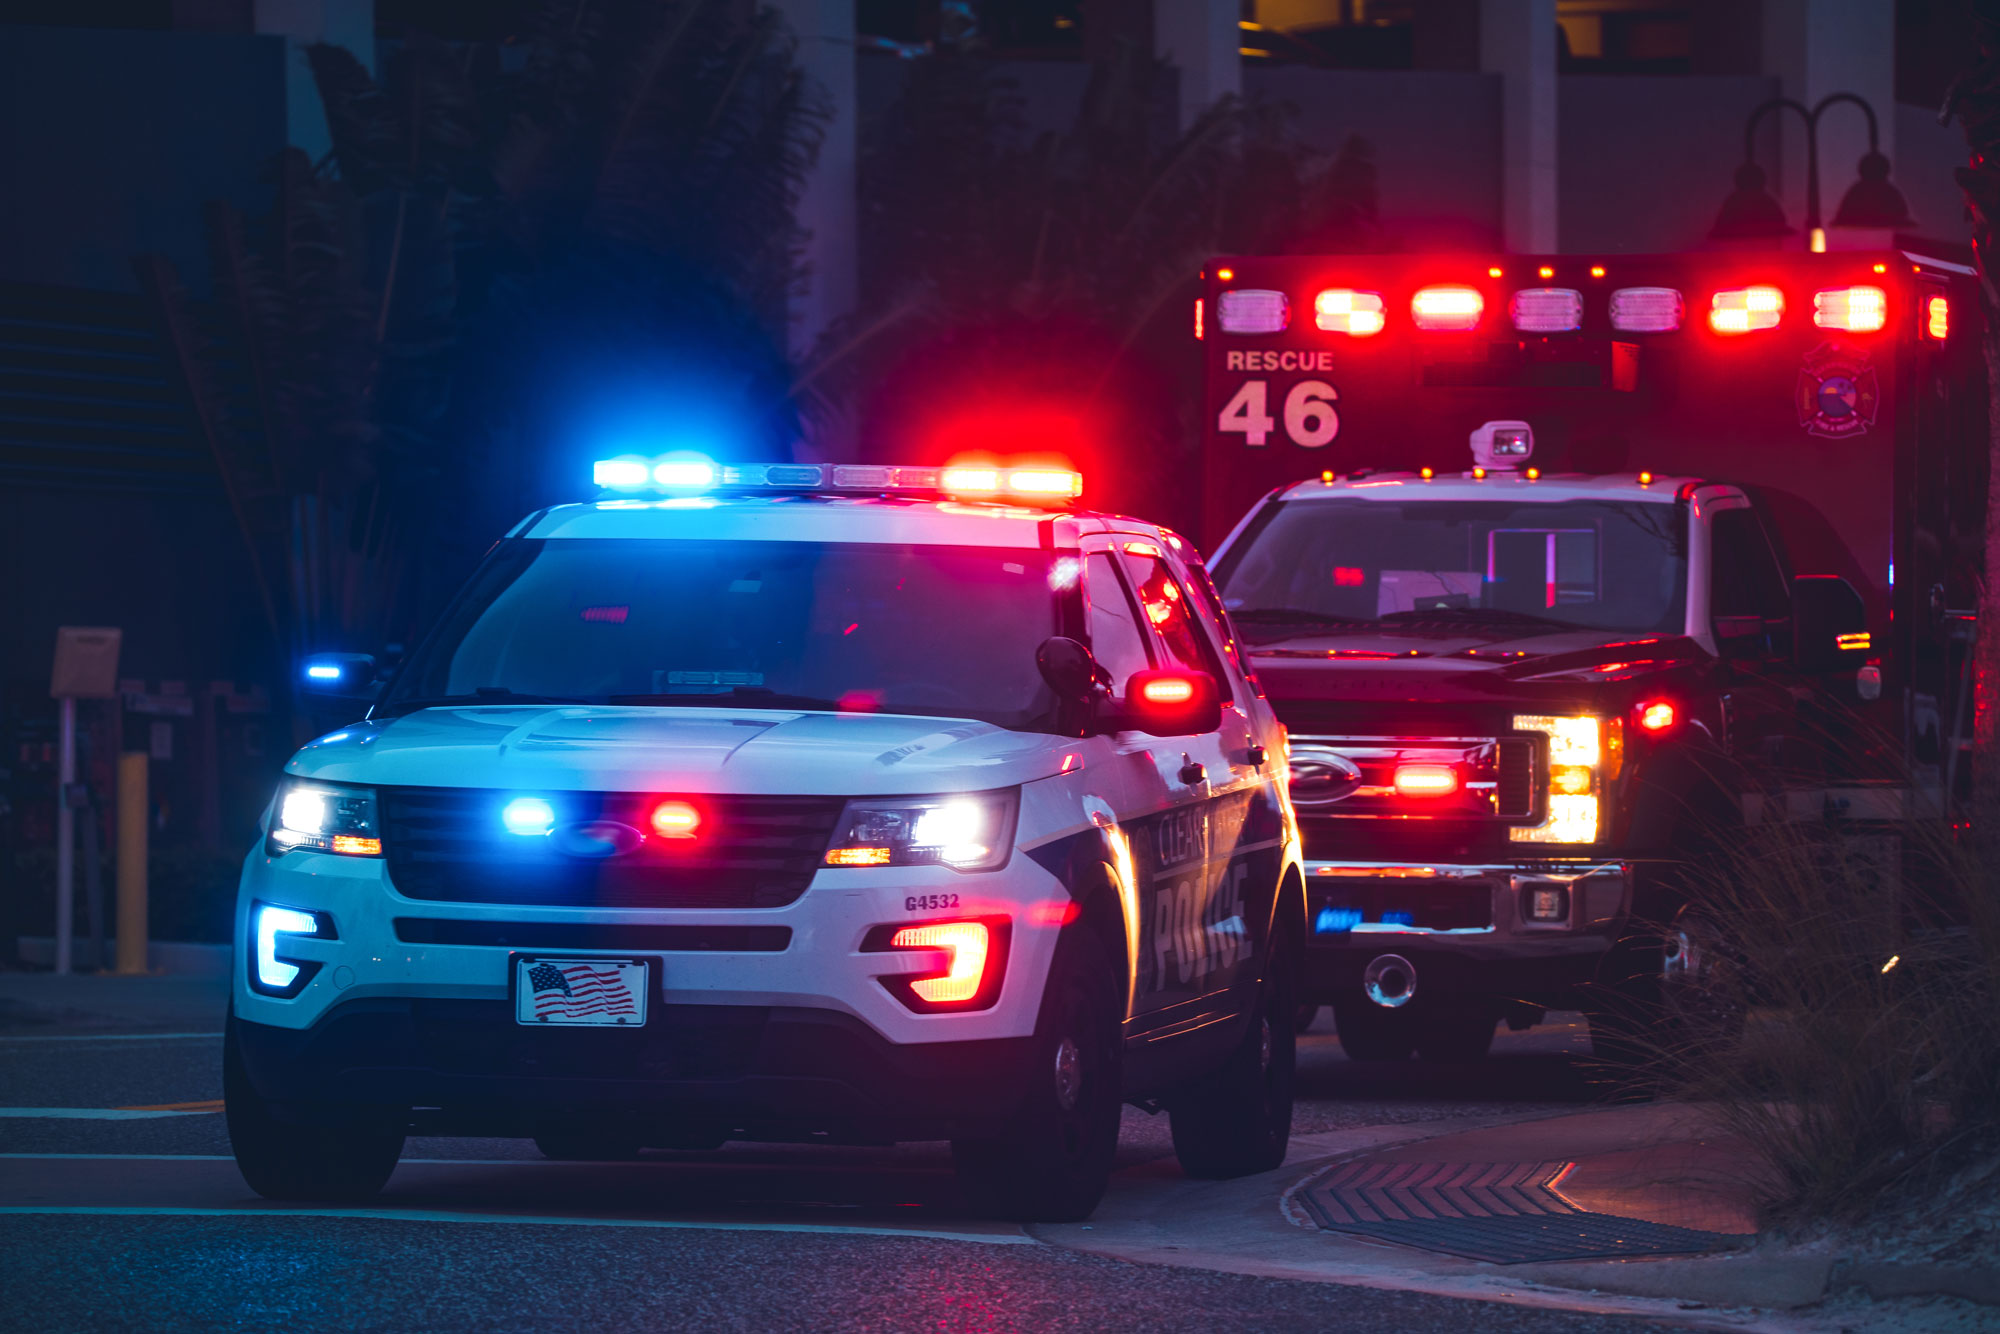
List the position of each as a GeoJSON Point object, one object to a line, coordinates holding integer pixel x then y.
{"type": "Point", "coordinates": [1881, 1279]}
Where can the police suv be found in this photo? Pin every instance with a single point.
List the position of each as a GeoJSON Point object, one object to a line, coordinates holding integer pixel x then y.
{"type": "Point", "coordinates": [786, 802]}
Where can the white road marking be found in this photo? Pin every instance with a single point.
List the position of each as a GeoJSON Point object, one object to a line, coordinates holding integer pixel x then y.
{"type": "Point", "coordinates": [105, 1037]}
{"type": "Point", "coordinates": [95, 1113]}
{"type": "Point", "coordinates": [451, 1216]}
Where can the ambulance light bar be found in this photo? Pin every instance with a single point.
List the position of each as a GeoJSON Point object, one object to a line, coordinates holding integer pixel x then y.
{"type": "Point", "coordinates": [633, 473]}
{"type": "Point", "coordinates": [1547, 309]}
{"type": "Point", "coordinates": [1851, 309]}
{"type": "Point", "coordinates": [1253, 310]}
{"type": "Point", "coordinates": [1743, 309]}
{"type": "Point", "coordinates": [1647, 310]}
{"type": "Point", "coordinates": [1442, 309]}
{"type": "Point", "coordinates": [1344, 310]}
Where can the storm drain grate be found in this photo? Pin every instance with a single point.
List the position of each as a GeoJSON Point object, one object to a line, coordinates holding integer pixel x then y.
{"type": "Point", "coordinates": [1503, 1213]}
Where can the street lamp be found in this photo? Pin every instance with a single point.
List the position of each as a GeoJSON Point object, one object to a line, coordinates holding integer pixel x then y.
{"type": "Point", "coordinates": [1751, 213]}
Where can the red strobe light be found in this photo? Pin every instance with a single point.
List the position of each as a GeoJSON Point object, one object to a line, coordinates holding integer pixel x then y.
{"type": "Point", "coordinates": [1937, 317]}
{"type": "Point", "coordinates": [1447, 309]}
{"type": "Point", "coordinates": [1167, 690]}
{"type": "Point", "coordinates": [676, 819]}
{"type": "Point", "coordinates": [1657, 715]}
{"type": "Point", "coordinates": [1851, 309]}
{"type": "Point", "coordinates": [1426, 780]}
{"type": "Point", "coordinates": [1743, 309]}
{"type": "Point", "coordinates": [1344, 310]}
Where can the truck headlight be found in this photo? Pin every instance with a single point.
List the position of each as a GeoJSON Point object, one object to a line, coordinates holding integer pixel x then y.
{"type": "Point", "coordinates": [1576, 759]}
{"type": "Point", "coordinates": [324, 817]}
{"type": "Point", "coordinates": [970, 831]}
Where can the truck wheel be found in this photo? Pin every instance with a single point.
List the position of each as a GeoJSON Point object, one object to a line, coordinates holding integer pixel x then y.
{"type": "Point", "coordinates": [281, 1160]}
{"type": "Point", "coordinates": [1669, 1000]}
{"type": "Point", "coordinates": [1054, 1165]}
{"type": "Point", "coordinates": [1455, 1036]}
{"type": "Point", "coordinates": [1238, 1118]}
{"type": "Point", "coordinates": [1371, 1033]}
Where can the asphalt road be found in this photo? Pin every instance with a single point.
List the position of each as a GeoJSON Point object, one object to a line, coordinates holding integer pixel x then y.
{"type": "Point", "coordinates": [142, 1222]}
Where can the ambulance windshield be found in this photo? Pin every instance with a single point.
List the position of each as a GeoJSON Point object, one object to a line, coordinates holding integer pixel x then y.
{"type": "Point", "coordinates": [1599, 565]}
{"type": "Point", "coordinates": [933, 630]}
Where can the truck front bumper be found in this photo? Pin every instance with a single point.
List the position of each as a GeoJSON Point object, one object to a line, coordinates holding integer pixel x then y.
{"type": "Point", "coordinates": [1532, 933]}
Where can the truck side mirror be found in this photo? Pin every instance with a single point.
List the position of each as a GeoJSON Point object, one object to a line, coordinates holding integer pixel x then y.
{"type": "Point", "coordinates": [1172, 702]}
{"type": "Point", "coordinates": [1829, 624]}
{"type": "Point", "coordinates": [340, 676]}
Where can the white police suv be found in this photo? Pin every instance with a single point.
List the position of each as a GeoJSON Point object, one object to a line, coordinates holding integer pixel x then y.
{"type": "Point", "coordinates": [786, 802]}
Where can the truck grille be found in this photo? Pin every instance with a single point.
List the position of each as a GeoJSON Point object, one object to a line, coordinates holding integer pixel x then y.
{"type": "Point", "coordinates": [448, 844]}
{"type": "Point", "coordinates": [1514, 784]}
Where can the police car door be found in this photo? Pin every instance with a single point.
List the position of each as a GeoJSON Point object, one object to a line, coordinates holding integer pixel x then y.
{"type": "Point", "coordinates": [1197, 896]}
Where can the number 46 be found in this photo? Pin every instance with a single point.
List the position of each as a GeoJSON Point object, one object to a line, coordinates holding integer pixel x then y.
{"type": "Point", "coordinates": [1310, 420]}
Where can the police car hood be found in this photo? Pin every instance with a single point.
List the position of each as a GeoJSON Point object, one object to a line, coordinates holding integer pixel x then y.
{"type": "Point", "coordinates": [621, 748]}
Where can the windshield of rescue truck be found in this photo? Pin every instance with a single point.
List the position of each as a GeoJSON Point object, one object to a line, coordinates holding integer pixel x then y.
{"type": "Point", "coordinates": [1312, 566]}
{"type": "Point", "coordinates": [934, 630]}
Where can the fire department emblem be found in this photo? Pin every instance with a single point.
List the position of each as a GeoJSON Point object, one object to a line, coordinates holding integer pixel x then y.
{"type": "Point", "coordinates": [1837, 392]}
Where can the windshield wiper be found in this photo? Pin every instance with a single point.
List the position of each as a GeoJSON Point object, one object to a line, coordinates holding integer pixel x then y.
{"type": "Point", "coordinates": [1475, 616]}
{"type": "Point", "coordinates": [1293, 616]}
{"type": "Point", "coordinates": [740, 697]}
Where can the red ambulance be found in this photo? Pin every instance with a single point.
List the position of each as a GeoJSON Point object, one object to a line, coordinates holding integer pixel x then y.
{"type": "Point", "coordinates": [1559, 568]}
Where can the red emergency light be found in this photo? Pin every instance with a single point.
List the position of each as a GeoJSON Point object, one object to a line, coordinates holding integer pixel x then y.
{"type": "Point", "coordinates": [1937, 317]}
{"type": "Point", "coordinates": [1344, 310]}
{"type": "Point", "coordinates": [1851, 309]}
{"type": "Point", "coordinates": [1426, 780]}
{"type": "Point", "coordinates": [1745, 309]}
{"type": "Point", "coordinates": [1447, 309]}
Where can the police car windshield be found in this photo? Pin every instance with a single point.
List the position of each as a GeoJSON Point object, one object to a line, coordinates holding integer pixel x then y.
{"type": "Point", "coordinates": [947, 631]}
{"type": "Point", "coordinates": [1515, 568]}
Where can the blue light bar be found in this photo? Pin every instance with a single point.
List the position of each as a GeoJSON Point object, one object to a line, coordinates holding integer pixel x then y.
{"type": "Point", "coordinates": [684, 476]}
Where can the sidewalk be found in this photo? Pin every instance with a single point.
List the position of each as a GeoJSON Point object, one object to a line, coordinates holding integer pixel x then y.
{"type": "Point", "coordinates": [1662, 1163]}
{"type": "Point", "coordinates": [43, 1004]}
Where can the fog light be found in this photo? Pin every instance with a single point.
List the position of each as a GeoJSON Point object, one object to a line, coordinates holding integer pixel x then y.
{"type": "Point", "coordinates": [272, 972]}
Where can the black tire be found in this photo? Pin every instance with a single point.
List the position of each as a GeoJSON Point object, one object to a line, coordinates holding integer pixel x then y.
{"type": "Point", "coordinates": [1054, 1165]}
{"type": "Point", "coordinates": [587, 1144]}
{"type": "Point", "coordinates": [1456, 1035]}
{"type": "Point", "coordinates": [1305, 1017]}
{"type": "Point", "coordinates": [1668, 1000]}
{"type": "Point", "coordinates": [1238, 1119]}
{"type": "Point", "coordinates": [340, 1158]}
{"type": "Point", "coordinates": [1368, 1032]}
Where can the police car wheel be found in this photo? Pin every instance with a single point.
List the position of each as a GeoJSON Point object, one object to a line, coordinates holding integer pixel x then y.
{"type": "Point", "coordinates": [1368, 1032]}
{"type": "Point", "coordinates": [1456, 1035]}
{"type": "Point", "coordinates": [1055, 1164]}
{"type": "Point", "coordinates": [1238, 1119]}
{"type": "Point", "coordinates": [284, 1160]}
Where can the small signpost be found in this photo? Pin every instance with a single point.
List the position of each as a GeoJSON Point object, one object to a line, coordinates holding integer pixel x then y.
{"type": "Point", "coordinates": [86, 668]}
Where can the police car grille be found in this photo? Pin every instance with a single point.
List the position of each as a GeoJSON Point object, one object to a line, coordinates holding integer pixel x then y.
{"type": "Point", "coordinates": [447, 844]}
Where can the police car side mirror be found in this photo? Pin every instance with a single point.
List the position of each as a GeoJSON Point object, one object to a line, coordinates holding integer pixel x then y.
{"type": "Point", "coordinates": [340, 676]}
{"type": "Point", "coordinates": [1172, 702]}
{"type": "Point", "coordinates": [1069, 669]}
{"type": "Point", "coordinates": [1829, 624]}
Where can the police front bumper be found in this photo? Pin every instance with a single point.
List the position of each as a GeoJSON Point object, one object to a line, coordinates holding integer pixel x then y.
{"type": "Point", "coordinates": [465, 1067]}
{"type": "Point", "coordinates": [1533, 933]}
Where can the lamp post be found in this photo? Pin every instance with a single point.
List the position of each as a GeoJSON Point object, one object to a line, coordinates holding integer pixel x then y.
{"type": "Point", "coordinates": [1752, 213]}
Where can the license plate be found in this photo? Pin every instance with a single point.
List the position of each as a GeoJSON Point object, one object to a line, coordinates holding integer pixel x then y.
{"type": "Point", "coordinates": [580, 992]}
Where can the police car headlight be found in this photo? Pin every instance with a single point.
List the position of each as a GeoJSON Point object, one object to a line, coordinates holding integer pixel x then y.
{"type": "Point", "coordinates": [971, 831]}
{"type": "Point", "coordinates": [324, 817]}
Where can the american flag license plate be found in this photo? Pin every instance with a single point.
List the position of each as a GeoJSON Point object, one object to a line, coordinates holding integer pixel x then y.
{"type": "Point", "coordinates": [593, 992]}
